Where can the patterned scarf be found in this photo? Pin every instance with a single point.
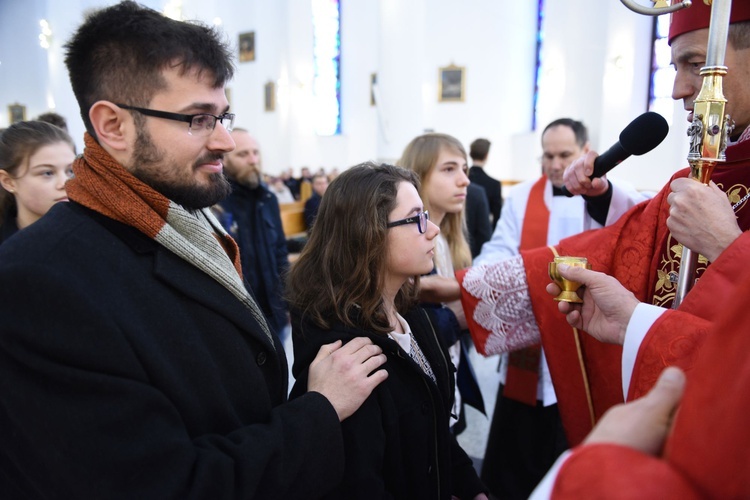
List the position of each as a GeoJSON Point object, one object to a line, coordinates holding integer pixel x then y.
{"type": "Point", "coordinates": [105, 186]}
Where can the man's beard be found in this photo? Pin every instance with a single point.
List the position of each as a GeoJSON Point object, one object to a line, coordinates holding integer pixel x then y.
{"type": "Point", "coordinates": [250, 179]}
{"type": "Point", "coordinates": [149, 166]}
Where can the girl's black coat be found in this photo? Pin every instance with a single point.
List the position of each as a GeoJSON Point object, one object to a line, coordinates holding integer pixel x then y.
{"type": "Point", "coordinates": [398, 444]}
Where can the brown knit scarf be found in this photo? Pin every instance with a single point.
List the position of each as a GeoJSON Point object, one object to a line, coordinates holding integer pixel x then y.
{"type": "Point", "coordinates": [105, 186]}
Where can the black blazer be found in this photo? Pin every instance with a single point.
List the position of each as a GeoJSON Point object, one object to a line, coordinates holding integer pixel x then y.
{"type": "Point", "coordinates": [311, 209]}
{"type": "Point", "coordinates": [398, 444]}
{"type": "Point", "coordinates": [8, 226]}
{"type": "Point", "coordinates": [492, 187]}
{"type": "Point", "coordinates": [477, 218]}
{"type": "Point", "coordinates": [126, 372]}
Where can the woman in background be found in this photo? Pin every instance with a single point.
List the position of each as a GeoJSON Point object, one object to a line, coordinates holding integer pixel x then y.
{"type": "Point", "coordinates": [357, 276]}
{"type": "Point", "coordinates": [440, 162]}
{"type": "Point", "coordinates": [36, 160]}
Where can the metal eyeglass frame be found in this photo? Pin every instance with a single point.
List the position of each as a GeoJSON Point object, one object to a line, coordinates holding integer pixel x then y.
{"type": "Point", "coordinates": [208, 127]}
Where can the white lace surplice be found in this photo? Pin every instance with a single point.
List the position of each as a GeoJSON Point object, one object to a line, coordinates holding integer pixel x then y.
{"type": "Point", "coordinates": [504, 307]}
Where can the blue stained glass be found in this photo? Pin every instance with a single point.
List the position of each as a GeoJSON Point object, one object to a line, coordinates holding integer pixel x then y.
{"type": "Point", "coordinates": [327, 66]}
{"type": "Point", "coordinates": [662, 26]}
{"type": "Point", "coordinates": [662, 73]}
{"type": "Point", "coordinates": [538, 72]}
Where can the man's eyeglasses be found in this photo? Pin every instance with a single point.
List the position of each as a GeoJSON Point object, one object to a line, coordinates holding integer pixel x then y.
{"type": "Point", "coordinates": [200, 124]}
{"type": "Point", "coordinates": [421, 219]}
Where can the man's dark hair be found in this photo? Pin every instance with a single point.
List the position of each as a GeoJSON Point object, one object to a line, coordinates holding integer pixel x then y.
{"type": "Point", "coordinates": [479, 149]}
{"type": "Point", "coordinates": [54, 119]}
{"type": "Point", "coordinates": [578, 128]}
{"type": "Point", "coordinates": [119, 52]}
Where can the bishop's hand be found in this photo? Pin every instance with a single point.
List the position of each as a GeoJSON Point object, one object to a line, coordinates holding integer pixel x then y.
{"type": "Point", "coordinates": [701, 217]}
{"type": "Point", "coordinates": [607, 306]}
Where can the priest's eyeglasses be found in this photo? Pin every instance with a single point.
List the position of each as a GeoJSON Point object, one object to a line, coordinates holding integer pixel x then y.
{"type": "Point", "coordinates": [199, 124]}
{"type": "Point", "coordinates": [421, 220]}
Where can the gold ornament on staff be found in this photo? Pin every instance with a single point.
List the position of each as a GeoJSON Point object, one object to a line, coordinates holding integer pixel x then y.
{"type": "Point", "coordinates": [711, 127]}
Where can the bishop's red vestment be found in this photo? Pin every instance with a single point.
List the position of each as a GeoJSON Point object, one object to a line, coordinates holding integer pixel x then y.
{"type": "Point", "coordinates": [705, 455]}
{"type": "Point", "coordinates": [639, 251]}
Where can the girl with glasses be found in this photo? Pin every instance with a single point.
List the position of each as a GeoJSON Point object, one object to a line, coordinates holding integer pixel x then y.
{"type": "Point", "coordinates": [36, 160]}
{"type": "Point", "coordinates": [358, 275]}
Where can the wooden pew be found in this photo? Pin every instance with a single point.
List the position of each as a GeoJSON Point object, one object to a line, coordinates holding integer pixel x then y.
{"type": "Point", "coordinates": [293, 218]}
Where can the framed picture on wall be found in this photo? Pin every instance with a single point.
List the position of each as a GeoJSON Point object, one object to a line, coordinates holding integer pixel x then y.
{"type": "Point", "coordinates": [247, 46]}
{"type": "Point", "coordinates": [269, 96]}
{"type": "Point", "coordinates": [451, 83]}
{"type": "Point", "coordinates": [16, 113]}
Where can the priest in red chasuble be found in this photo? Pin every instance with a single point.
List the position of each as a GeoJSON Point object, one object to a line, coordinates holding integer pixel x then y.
{"type": "Point", "coordinates": [508, 307]}
{"type": "Point", "coordinates": [684, 439]}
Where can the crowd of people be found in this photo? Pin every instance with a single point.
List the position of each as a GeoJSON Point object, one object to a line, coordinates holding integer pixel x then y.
{"type": "Point", "coordinates": [160, 265]}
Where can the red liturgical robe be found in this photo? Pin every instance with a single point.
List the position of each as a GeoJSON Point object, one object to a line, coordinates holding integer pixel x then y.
{"type": "Point", "coordinates": [639, 251]}
{"type": "Point", "coordinates": [705, 455]}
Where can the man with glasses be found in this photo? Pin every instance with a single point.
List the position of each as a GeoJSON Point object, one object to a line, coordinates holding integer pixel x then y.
{"type": "Point", "coordinates": [526, 435]}
{"type": "Point", "coordinates": [134, 363]}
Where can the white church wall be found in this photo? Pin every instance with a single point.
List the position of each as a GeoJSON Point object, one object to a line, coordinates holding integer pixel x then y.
{"type": "Point", "coordinates": [596, 60]}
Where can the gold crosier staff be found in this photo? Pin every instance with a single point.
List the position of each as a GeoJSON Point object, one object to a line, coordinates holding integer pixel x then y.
{"type": "Point", "coordinates": [711, 126]}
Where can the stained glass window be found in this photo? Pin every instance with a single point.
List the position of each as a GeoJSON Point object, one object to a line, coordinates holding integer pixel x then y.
{"type": "Point", "coordinates": [326, 15]}
{"type": "Point", "coordinates": [662, 72]}
{"type": "Point", "coordinates": [537, 74]}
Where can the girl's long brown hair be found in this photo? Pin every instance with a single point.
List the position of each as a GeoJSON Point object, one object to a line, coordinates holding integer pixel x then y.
{"type": "Point", "coordinates": [340, 273]}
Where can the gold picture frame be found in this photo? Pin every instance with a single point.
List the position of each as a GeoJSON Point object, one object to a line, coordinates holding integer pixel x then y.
{"type": "Point", "coordinates": [269, 96]}
{"type": "Point", "coordinates": [451, 83]}
{"type": "Point", "coordinates": [247, 46]}
{"type": "Point", "coordinates": [16, 113]}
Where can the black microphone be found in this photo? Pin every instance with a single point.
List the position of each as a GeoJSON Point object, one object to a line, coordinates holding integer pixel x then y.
{"type": "Point", "coordinates": [641, 136]}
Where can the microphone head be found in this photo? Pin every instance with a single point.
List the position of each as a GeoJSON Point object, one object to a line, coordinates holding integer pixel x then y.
{"type": "Point", "coordinates": [644, 133]}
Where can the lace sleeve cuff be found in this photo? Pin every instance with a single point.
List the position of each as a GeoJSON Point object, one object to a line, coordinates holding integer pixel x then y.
{"type": "Point", "coordinates": [502, 305]}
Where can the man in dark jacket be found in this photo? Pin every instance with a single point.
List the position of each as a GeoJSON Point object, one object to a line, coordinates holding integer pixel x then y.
{"type": "Point", "coordinates": [478, 224]}
{"type": "Point", "coordinates": [251, 216]}
{"type": "Point", "coordinates": [319, 186]}
{"type": "Point", "coordinates": [134, 363]}
{"type": "Point", "coordinates": [479, 150]}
